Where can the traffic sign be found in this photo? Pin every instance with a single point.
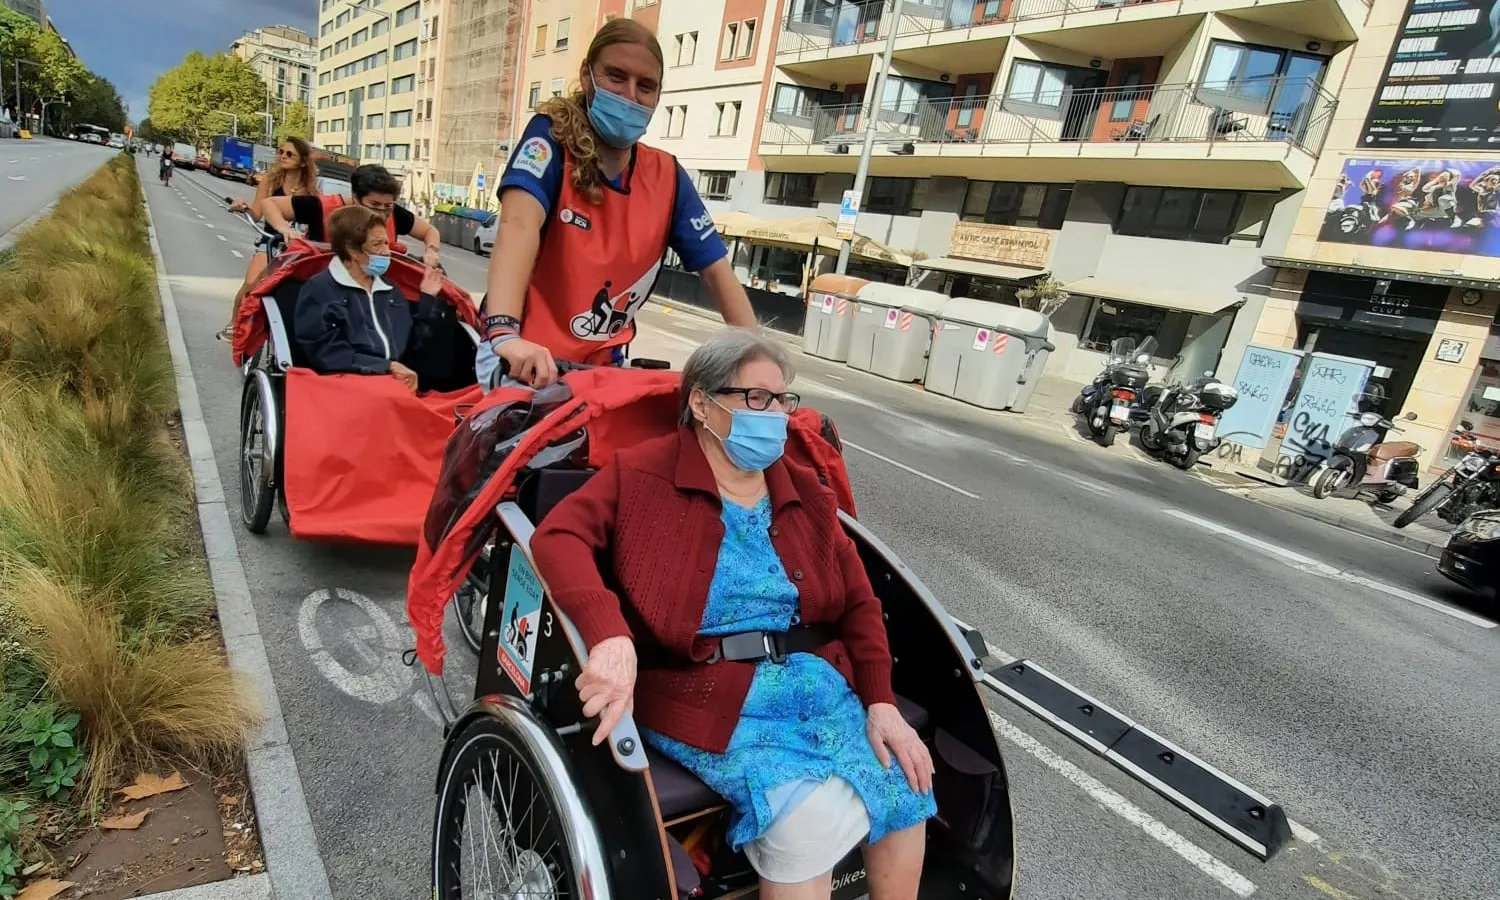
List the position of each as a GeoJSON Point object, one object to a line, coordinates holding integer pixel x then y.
{"type": "Point", "coordinates": [848, 216]}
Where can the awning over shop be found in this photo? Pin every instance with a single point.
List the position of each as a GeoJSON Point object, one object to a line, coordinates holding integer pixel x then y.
{"type": "Point", "coordinates": [1453, 280]}
{"type": "Point", "coordinates": [983, 269]}
{"type": "Point", "coordinates": [735, 224]}
{"type": "Point", "coordinates": [815, 231]}
{"type": "Point", "coordinates": [1164, 298]}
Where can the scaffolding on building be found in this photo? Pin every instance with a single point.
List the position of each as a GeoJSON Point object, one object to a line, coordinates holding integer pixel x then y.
{"type": "Point", "coordinates": [474, 130]}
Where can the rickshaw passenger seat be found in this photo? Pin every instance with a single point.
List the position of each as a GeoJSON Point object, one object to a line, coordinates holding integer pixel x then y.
{"type": "Point", "coordinates": [679, 793]}
{"type": "Point", "coordinates": [285, 298]}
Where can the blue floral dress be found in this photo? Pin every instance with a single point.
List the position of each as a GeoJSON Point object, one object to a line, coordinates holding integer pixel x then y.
{"type": "Point", "coordinates": [801, 722]}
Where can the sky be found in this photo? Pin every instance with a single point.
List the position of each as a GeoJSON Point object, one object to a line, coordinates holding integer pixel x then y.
{"type": "Point", "coordinates": [131, 42]}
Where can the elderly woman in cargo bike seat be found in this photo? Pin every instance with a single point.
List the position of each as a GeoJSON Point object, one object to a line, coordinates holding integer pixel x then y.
{"type": "Point", "coordinates": [805, 742]}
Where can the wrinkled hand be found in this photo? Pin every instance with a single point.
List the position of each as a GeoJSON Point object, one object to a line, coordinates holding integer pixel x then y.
{"type": "Point", "coordinates": [607, 685]}
{"type": "Point", "coordinates": [530, 363]}
{"type": "Point", "coordinates": [889, 734]}
{"type": "Point", "coordinates": [432, 280]}
{"type": "Point", "coordinates": [405, 376]}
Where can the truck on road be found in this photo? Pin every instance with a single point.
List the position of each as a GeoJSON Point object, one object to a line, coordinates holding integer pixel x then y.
{"type": "Point", "coordinates": [265, 158]}
{"type": "Point", "coordinates": [230, 157]}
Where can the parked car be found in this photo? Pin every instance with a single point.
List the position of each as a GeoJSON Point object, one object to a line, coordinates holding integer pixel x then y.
{"type": "Point", "coordinates": [183, 155]}
{"type": "Point", "coordinates": [1472, 557]}
{"type": "Point", "coordinates": [484, 238]}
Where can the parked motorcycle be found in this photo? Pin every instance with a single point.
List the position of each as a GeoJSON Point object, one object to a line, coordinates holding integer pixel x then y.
{"type": "Point", "coordinates": [1365, 461]}
{"type": "Point", "coordinates": [1471, 485]}
{"type": "Point", "coordinates": [1108, 402]}
{"type": "Point", "coordinates": [1182, 421]}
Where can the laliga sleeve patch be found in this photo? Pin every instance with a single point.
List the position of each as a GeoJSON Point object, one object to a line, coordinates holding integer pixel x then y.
{"type": "Point", "coordinates": [534, 157]}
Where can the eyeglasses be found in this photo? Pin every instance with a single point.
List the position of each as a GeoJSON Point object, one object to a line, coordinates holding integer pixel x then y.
{"type": "Point", "coordinates": [760, 399]}
{"type": "Point", "coordinates": [289, 154]}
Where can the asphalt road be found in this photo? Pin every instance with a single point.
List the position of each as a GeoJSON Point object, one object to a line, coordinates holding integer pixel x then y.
{"type": "Point", "coordinates": [34, 173]}
{"type": "Point", "coordinates": [1332, 672]}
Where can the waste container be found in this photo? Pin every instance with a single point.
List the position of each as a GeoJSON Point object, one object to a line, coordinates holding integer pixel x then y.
{"type": "Point", "coordinates": [830, 315]}
{"type": "Point", "coordinates": [988, 354]}
{"type": "Point", "coordinates": [893, 330]}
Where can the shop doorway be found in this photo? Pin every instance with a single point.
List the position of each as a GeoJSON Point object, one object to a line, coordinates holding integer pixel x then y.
{"type": "Point", "coordinates": [1400, 354]}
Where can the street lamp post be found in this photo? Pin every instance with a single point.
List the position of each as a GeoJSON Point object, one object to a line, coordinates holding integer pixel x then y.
{"type": "Point", "coordinates": [390, 35]}
{"type": "Point", "coordinates": [860, 174]}
{"type": "Point", "coordinates": [234, 126]}
{"type": "Point", "coordinates": [47, 103]}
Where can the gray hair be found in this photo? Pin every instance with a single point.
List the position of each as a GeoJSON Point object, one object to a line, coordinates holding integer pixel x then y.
{"type": "Point", "coordinates": [714, 365]}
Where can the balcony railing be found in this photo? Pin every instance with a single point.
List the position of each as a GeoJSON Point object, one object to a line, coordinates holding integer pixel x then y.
{"type": "Point", "coordinates": [1294, 111]}
{"type": "Point", "coordinates": [851, 22]}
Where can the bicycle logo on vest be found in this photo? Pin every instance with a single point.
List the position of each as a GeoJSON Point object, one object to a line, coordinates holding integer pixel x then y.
{"type": "Point", "coordinates": [609, 315]}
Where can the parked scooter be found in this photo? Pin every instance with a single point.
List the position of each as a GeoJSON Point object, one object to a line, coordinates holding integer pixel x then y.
{"type": "Point", "coordinates": [1364, 461]}
{"type": "Point", "coordinates": [1471, 485]}
{"type": "Point", "coordinates": [1182, 421]}
{"type": "Point", "coordinates": [1108, 402]}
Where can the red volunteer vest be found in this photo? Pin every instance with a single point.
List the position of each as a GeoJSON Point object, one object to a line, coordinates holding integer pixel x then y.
{"type": "Point", "coordinates": [332, 202]}
{"type": "Point", "coordinates": [598, 262]}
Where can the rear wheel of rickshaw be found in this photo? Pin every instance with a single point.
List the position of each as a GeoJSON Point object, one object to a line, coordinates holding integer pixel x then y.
{"type": "Point", "coordinates": [469, 602]}
{"type": "Point", "coordinates": [260, 439]}
{"type": "Point", "coordinates": [507, 823]}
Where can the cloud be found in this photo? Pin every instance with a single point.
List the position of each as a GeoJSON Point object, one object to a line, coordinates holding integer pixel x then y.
{"type": "Point", "coordinates": [132, 42]}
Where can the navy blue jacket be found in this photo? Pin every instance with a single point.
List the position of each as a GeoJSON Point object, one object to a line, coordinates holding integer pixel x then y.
{"type": "Point", "coordinates": [343, 328]}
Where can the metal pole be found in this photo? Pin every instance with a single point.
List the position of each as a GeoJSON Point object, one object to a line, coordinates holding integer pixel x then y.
{"type": "Point", "coordinates": [861, 173]}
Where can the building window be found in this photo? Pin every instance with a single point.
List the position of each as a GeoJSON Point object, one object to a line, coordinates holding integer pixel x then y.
{"type": "Point", "coordinates": [323, 77]}
{"type": "Point", "coordinates": [794, 102]}
{"type": "Point", "coordinates": [676, 121]}
{"type": "Point", "coordinates": [322, 103]}
{"type": "Point", "coordinates": [642, 4]}
{"type": "Point", "coordinates": [1253, 79]}
{"type": "Point", "coordinates": [372, 150]}
{"type": "Point", "coordinates": [406, 49]}
{"type": "Point", "coordinates": [341, 46]}
{"type": "Point", "coordinates": [561, 40]}
{"type": "Point", "coordinates": [326, 5]}
{"type": "Point", "coordinates": [787, 189]}
{"type": "Point", "coordinates": [1185, 214]}
{"type": "Point", "coordinates": [746, 47]}
{"type": "Point", "coordinates": [429, 110]}
{"type": "Point", "coordinates": [540, 44]}
{"type": "Point", "coordinates": [375, 120]}
{"type": "Point", "coordinates": [407, 14]}
{"type": "Point", "coordinates": [1013, 203]}
{"type": "Point", "coordinates": [892, 196]}
{"type": "Point", "coordinates": [1036, 85]}
{"type": "Point", "coordinates": [325, 28]}
{"type": "Point", "coordinates": [728, 121]}
{"type": "Point", "coordinates": [398, 152]}
{"type": "Point", "coordinates": [731, 41]}
{"type": "Point", "coordinates": [325, 53]}
{"type": "Point", "coordinates": [323, 127]}
{"type": "Point", "coordinates": [342, 19]}
{"type": "Point", "coordinates": [380, 27]}
{"type": "Point", "coordinates": [339, 98]}
{"type": "Point", "coordinates": [557, 87]}
{"type": "Point", "coordinates": [376, 90]}
{"type": "Point", "coordinates": [359, 37]}
{"type": "Point", "coordinates": [1110, 320]}
{"type": "Point", "coordinates": [687, 48]}
{"type": "Point", "coordinates": [534, 95]}
{"type": "Point", "coordinates": [715, 185]}
{"type": "Point", "coordinates": [336, 125]}
{"type": "Point", "coordinates": [404, 84]}
{"type": "Point", "coordinates": [401, 118]}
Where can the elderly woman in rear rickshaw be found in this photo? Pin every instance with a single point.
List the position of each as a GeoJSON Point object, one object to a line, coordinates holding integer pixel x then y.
{"type": "Point", "coordinates": [764, 667]}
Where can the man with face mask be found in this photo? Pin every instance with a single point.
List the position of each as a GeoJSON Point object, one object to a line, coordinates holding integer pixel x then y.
{"type": "Point", "coordinates": [588, 214]}
{"type": "Point", "coordinates": [375, 189]}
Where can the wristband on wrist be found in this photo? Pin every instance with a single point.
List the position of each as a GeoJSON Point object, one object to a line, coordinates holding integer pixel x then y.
{"type": "Point", "coordinates": [501, 323]}
{"type": "Point", "coordinates": [498, 339]}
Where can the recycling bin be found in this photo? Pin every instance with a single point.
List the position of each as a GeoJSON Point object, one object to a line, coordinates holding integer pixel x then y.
{"type": "Point", "coordinates": [830, 316]}
{"type": "Point", "coordinates": [988, 354]}
{"type": "Point", "coordinates": [893, 330]}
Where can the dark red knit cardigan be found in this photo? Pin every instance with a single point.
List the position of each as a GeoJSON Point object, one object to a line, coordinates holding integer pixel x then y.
{"type": "Point", "coordinates": [633, 552]}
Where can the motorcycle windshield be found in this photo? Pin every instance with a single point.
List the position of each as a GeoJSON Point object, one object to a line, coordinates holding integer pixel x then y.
{"type": "Point", "coordinates": [1146, 348]}
{"type": "Point", "coordinates": [1121, 351]}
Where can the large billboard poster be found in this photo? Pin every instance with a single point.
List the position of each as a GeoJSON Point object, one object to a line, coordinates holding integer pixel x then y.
{"type": "Point", "coordinates": [1442, 205]}
{"type": "Point", "coordinates": [1441, 83]}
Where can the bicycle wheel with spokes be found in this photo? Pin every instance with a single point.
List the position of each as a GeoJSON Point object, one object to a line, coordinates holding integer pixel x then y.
{"type": "Point", "coordinates": [510, 825]}
{"type": "Point", "coordinates": [470, 602]}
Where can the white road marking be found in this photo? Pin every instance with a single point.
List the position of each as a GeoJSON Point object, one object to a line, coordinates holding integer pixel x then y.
{"type": "Point", "coordinates": [221, 237]}
{"type": "Point", "coordinates": [389, 677]}
{"type": "Point", "coordinates": [208, 225]}
{"type": "Point", "coordinates": [16, 177]}
{"type": "Point", "coordinates": [917, 472]}
{"type": "Point", "coordinates": [237, 254]}
{"type": "Point", "coordinates": [1079, 480]}
{"type": "Point", "coordinates": [1308, 564]}
{"type": "Point", "coordinates": [1111, 800]}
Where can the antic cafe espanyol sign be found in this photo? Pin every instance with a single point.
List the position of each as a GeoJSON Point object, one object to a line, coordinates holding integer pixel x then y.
{"type": "Point", "coordinates": [1013, 244]}
{"type": "Point", "coordinates": [1441, 84]}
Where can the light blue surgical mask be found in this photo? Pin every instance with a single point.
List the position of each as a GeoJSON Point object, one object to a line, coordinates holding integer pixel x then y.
{"type": "Point", "coordinates": [757, 438]}
{"type": "Point", "coordinates": [620, 122]}
{"type": "Point", "coordinates": [378, 265]}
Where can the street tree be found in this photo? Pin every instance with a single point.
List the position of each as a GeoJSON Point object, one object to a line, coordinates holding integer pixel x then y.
{"type": "Point", "coordinates": [189, 103]}
{"type": "Point", "coordinates": [298, 123]}
{"type": "Point", "coordinates": [38, 67]}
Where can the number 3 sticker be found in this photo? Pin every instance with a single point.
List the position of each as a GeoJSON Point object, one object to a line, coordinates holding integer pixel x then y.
{"type": "Point", "coordinates": [547, 623]}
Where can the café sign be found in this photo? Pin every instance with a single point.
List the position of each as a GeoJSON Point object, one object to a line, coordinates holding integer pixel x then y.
{"type": "Point", "coordinates": [1012, 244]}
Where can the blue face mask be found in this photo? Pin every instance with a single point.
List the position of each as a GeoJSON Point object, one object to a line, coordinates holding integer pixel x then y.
{"type": "Point", "coordinates": [619, 122]}
{"type": "Point", "coordinates": [756, 438]}
{"type": "Point", "coordinates": [378, 265]}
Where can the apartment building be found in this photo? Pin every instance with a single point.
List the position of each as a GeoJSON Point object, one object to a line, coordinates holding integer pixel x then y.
{"type": "Point", "coordinates": [431, 53]}
{"type": "Point", "coordinates": [286, 59]}
{"type": "Point", "coordinates": [477, 83]}
{"type": "Point", "coordinates": [34, 10]}
{"type": "Point", "coordinates": [367, 80]}
{"type": "Point", "coordinates": [555, 37]}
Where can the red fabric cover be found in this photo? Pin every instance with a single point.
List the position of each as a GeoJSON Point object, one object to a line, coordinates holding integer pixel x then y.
{"type": "Point", "coordinates": [652, 524]}
{"type": "Point", "coordinates": [621, 408]}
{"type": "Point", "coordinates": [301, 261]}
{"type": "Point", "coordinates": [362, 454]}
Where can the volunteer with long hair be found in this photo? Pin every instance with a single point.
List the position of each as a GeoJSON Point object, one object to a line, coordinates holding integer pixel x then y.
{"type": "Point", "coordinates": [294, 175]}
{"type": "Point", "coordinates": [587, 214]}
